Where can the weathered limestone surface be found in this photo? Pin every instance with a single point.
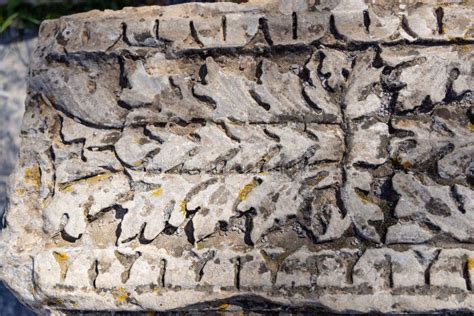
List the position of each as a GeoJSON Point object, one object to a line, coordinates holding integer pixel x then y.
{"type": "Point", "coordinates": [16, 49]}
{"type": "Point", "coordinates": [277, 155]}
{"type": "Point", "coordinates": [15, 56]}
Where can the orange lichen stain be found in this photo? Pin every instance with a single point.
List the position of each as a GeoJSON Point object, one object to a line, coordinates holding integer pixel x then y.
{"type": "Point", "coordinates": [62, 259]}
{"type": "Point", "coordinates": [120, 294]}
{"type": "Point", "coordinates": [157, 193]}
{"type": "Point", "coordinates": [243, 194]}
{"type": "Point", "coordinates": [470, 127]}
{"type": "Point", "coordinates": [90, 181]}
{"type": "Point", "coordinates": [33, 177]}
{"type": "Point", "coordinates": [403, 164]}
{"type": "Point", "coordinates": [470, 263]}
{"type": "Point", "coordinates": [406, 165]}
{"type": "Point", "coordinates": [223, 307]}
{"type": "Point", "coordinates": [465, 48]}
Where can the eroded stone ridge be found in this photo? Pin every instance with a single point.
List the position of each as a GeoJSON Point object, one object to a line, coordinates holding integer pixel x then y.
{"type": "Point", "coordinates": [270, 156]}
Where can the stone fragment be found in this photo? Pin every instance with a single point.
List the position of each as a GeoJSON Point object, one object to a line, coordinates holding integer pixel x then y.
{"type": "Point", "coordinates": [439, 22]}
{"type": "Point", "coordinates": [81, 88]}
{"type": "Point", "coordinates": [449, 69]}
{"type": "Point", "coordinates": [361, 207]}
{"type": "Point", "coordinates": [410, 233]}
{"type": "Point", "coordinates": [358, 21]}
{"type": "Point", "coordinates": [74, 202]}
{"type": "Point", "coordinates": [134, 147]}
{"type": "Point", "coordinates": [446, 135]}
{"type": "Point", "coordinates": [385, 268]}
{"type": "Point", "coordinates": [449, 270]}
{"type": "Point", "coordinates": [364, 97]}
{"type": "Point", "coordinates": [328, 222]}
{"type": "Point", "coordinates": [370, 140]}
{"type": "Point", "coordinates": [143, 87]}
{"type": "Point", "coordinates": [433, 204]}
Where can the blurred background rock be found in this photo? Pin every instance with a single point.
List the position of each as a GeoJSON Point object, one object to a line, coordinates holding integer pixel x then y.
{"type": "Point", "coordinates": [19, 22]}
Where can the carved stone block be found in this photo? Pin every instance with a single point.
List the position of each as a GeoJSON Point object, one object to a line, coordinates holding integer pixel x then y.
{"type": "Point", "coordinates": [267, 156]}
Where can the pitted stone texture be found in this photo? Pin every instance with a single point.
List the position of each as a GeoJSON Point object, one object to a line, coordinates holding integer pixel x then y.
{"type": "Point", "coordinates": [276, 155]}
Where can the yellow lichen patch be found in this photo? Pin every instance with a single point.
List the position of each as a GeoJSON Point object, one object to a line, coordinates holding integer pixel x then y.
{"type": "Point", "coordinates": [364, 198]}
{"type": "Point", "coordinates": [67, 189]}
{"type": "Point", "coordinates": [405, 123]}
{"type": "Point", "coordinates": [120, 294]}
{"type": "Point", "coordinates": [464, 48]}
{"type": "Point", "coordinates": [98, 178]}
{"type": "Point", "coordinates": [61, 256]}
{"type": "Point", "coordinates": [223, 307]}
{"type": "Point", "coordinates": [470, 263]}
{"type": "Point", "coordinates": [470, 127]}
{"type": "Point", "coordinates": [317, 179]}
{"type": "Point", "coordinates": [20, 191]}
{"type": "Point", "coordinates": [182, 207]}
{"type": "Point", "coordinates": [157, 193]}
{"type": "Point", "coordinates": [62, 259]}
{"type": "Point", "coordinates": [90, 181]}
{"type": "Point", "coordinates": [245, 191]}
{"type": "Point", "coordinates": [137, 163]}
{"type": "Point", "coordinates": [33, 177]}
{"type": "Point", "coordinates": [200, 245]}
